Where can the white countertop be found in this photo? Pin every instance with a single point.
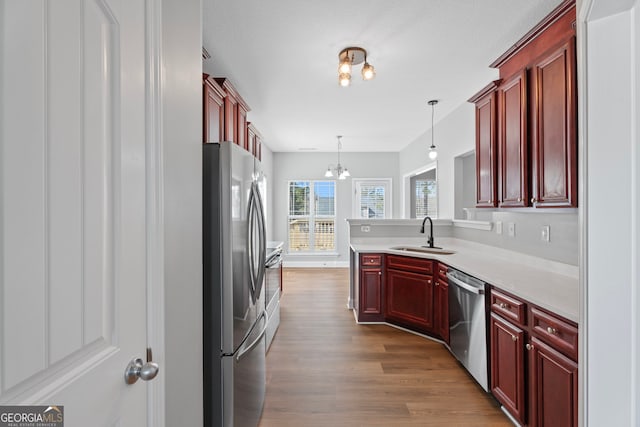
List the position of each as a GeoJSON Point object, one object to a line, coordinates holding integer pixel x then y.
{"type": "Point", "coordinates": [548, 284]}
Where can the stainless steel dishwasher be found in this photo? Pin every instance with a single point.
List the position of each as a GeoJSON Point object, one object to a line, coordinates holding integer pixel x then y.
{"type": "Point", "coordinates": [467, 324]}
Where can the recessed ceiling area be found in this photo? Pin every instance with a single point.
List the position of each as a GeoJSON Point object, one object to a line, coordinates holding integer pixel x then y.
{"type": "Point", "coordinates": [282, 57]}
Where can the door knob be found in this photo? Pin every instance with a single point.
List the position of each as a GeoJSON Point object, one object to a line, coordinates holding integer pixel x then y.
{"type": "Point", "coordinates": [138, 369]}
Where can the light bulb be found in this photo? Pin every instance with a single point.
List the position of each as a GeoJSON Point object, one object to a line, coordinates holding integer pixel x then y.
{"type": "Point", "coordinates": [433, 153]}
{"type": "Point", "coordinates": [345, 65]}
{"type": "Point", "coordinates": [344, 79]}
{"type": "Point", "coordinates": [368, 72]}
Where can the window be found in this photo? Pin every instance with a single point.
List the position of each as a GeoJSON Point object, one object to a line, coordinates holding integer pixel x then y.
{"type": "Point", "coordinates": [312, 225]}
{"type": "Point", "coordinates": [424, 195]}
{"type": "Point", "coordinates": [372, 198]}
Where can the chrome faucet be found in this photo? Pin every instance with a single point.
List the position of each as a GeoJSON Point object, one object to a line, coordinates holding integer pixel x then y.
{"type": "Point", "coordinates": [430, 239]}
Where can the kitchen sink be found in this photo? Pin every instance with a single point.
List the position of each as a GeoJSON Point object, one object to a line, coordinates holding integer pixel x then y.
{"type": "Point", "coordinates": [424, 250]}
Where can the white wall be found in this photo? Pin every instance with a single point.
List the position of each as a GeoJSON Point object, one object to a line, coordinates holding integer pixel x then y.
{"type": "Point", "coordinates": [182, 197]}
{"type": "Point", "coordinates": [454, 135]}
{"type": "Point", "coordinates": [610, 274]}
{"type": "Point", "coordinates": [267, 168]}
{"type": "Point", "coordinates": [312, 166]}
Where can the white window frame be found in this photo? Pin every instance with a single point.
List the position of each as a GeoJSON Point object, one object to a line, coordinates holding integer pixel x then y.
{"type": "Point", "coordinates": [406, 189]}
{"type": "Point", "coordinates": [356, 184]}
{"type": "Point", "coordinates": [312, 217]}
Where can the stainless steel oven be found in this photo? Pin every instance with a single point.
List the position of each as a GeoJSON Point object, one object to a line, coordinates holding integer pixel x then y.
{"type": "Point", "coordinates": [273, 287]}
{"type": "Point", "coordinates": [467, 324]}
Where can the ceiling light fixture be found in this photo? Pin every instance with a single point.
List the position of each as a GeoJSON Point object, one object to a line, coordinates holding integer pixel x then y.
{"type": "Point", "coordinates": [349, 57]}
{"type": "Point", "coordinates": [432, 149]}
{"type": "Point", "coordinates": [339, 170]}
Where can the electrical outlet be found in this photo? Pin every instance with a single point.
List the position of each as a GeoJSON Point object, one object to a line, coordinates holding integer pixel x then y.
{"type": "Point", "coordinates": [545, 235]}
{"type": "Point", "coordinates": [511, 229]}
{"type": "Point", "coordinates": [498, 227]}
{"type": "Point", "coordinates": [365, 228]}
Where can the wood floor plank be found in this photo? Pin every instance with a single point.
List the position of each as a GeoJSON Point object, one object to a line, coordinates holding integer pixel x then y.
{"type": "Point", "coordinates": [323, 369]}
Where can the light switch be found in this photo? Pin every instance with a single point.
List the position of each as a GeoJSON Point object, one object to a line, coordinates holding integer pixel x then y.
{"type": "Point", "coordinates": [511, 229]}
{"type": "Point", "coordinates": [544, 233]}
{"type": "Point", "coordinates": [365, 228]}
{"type": "Point", "coordinates": [498, 227]}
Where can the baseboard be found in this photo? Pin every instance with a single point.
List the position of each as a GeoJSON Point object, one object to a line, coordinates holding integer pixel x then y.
{"type": "Point", "coordinates": [315, 264]}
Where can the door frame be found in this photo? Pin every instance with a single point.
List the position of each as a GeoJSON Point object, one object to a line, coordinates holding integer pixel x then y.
{"type": "Point", "coordinates": [155, 301]}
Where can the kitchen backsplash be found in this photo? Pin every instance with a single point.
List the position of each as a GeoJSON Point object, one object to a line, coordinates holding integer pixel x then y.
{"type": "Point", "coordinates": [527, 232]}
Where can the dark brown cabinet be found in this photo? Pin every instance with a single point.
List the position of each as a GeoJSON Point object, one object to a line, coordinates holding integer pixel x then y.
{"type": "Point", "coordinates": [370, 298]}
{"type": "Point", "coordinates": [534, 373]}
{"type": "Point", "coordinates": [213, 110]}
{"type": "Point", "coordinates": [553, 387]}
{"type": "Point", "coordinates": [512, 140]}
{"type": "Point", "coordinates": [409, 292]}
{"type": "Point", "coordinates": [535, 115]}
{"type": "Point", "coordinates": [554, 128]}
{"type": "Point", "coordinates": [486, 145]}
{"type": "Point", "coordinates": [507, 366]}
{"type": "Point", "coordinates": [441, 303]}
{"type": "Point", "coordinates": [235, 114]}
{"type": "Point", "coordinates": [254, 141]}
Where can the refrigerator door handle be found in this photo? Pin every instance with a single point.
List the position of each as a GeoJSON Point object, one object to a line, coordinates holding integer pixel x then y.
{"type": "Point", "coordinates": [247, 348]}
{"type": "Point", "coordinates": [263, 240]}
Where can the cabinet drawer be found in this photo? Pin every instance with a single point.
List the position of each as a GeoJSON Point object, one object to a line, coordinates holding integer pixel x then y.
{"type": "Point", "coordinates": [371, 259]}
{"type": "Point", "coordinates": [509, 307]}
{"type": "Point", "coordinates": [416, 265]}
{"type": "Point", "coordinates": [442, 271]}
{"type": "Point", "coordinates": [556, 332]}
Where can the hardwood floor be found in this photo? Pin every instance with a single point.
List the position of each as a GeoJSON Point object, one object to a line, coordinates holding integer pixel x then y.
{"type": "Point", "coordinates": [325, 370]}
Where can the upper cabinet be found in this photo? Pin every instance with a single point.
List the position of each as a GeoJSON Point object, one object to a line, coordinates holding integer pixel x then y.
{"type": "Point", "coordinates": [554, 127]}
{"type": "Point", "coordinates": [531, 113]}
{"type": "Point", "coordinates": [213, 110]}
{"type": "Point", "coordinates": [512, 136]}
{"type": "Point", "coordinates": [235, 113]}
{"type": "Point", "coordinates": [225, 116]}
{"type": "Point", "coordinates": [486, 145]}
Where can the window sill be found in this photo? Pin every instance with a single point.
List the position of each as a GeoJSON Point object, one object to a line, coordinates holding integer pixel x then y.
{"type": "Point", "coordinates": [315, 254]}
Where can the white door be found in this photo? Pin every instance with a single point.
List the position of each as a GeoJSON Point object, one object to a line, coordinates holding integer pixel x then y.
{"type": "Point", "coordinates": [72, 199]}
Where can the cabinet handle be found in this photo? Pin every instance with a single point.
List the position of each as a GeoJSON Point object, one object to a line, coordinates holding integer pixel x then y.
{"type": "Point", "coordinates": [379, 273]}
{"type": "Point", "coordinates": [551, 330]}
{"type": "Point", "coordinates": [437, 284]}
{"type": "Point", "coordinates": [519, 199]}
{"type": "Point", "coordinates": [503, 305]}
{"type": "Point", "coordinates": [513, 337]}
{"type": "Point", "coordinates": [529, 346]}
{"type": "Point", "coordinates": [533, 200]}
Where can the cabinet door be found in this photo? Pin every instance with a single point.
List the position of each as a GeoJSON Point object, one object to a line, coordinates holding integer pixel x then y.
{"type": "Point", "coordinates": [213, 113]}
{"type": "Point", "coordinates": [507, 366]}
{"type": "Point", "coordinates": [441, 309]}
{"type": "Point", "coordinates": [512, 136]}
{"type": "Point", "coordinates": [555, 178]}
{"type": "Point", "coordinates": [241, 127]}
{"type": "Point", "coordinates": [486, 151]}
{"type": "Point", "coordinates": [553, 379]}
{"type": "Point", "coordinates": [371, 295]}
{"type": "Point", "coordinates": [410, 299]}
{"type": "Point", "coordinates": [230, 119]}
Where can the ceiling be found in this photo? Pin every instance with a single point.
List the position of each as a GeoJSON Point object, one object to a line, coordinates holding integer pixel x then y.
{"type": "Point", "coordinates": [282, 57]}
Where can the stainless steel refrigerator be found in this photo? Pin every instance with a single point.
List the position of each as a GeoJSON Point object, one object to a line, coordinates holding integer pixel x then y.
{"type": "Point", "coordinates": [234, 249]}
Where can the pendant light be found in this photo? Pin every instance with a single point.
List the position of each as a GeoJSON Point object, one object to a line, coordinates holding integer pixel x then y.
{"type": "Point", "coordinates": [341, 171]}
{"type": "Point", "coordinates": [433, 153]}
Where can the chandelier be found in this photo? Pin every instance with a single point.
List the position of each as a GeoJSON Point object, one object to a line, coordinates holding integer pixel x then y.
{"type": "Point", "coordinates": [433, 153]}
{"type": "Point", "coordinates": [350, 56]}
{"type": "Point", "coordinates": [340, 171]}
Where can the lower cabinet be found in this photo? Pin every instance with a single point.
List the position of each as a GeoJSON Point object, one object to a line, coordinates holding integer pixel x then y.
{"type": "Point", "coordinates": [534, 373]}
{"type": "Point", "coordinates": [410, 299]}
{"type": "Point", "coordinates": [441, 309]}
{"type": "Point", "coordinates": [554, 386]}
{"type": "Point", "coordinates": [370, 302]}
{"type": "Point", "coordinates": [508, 367]}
